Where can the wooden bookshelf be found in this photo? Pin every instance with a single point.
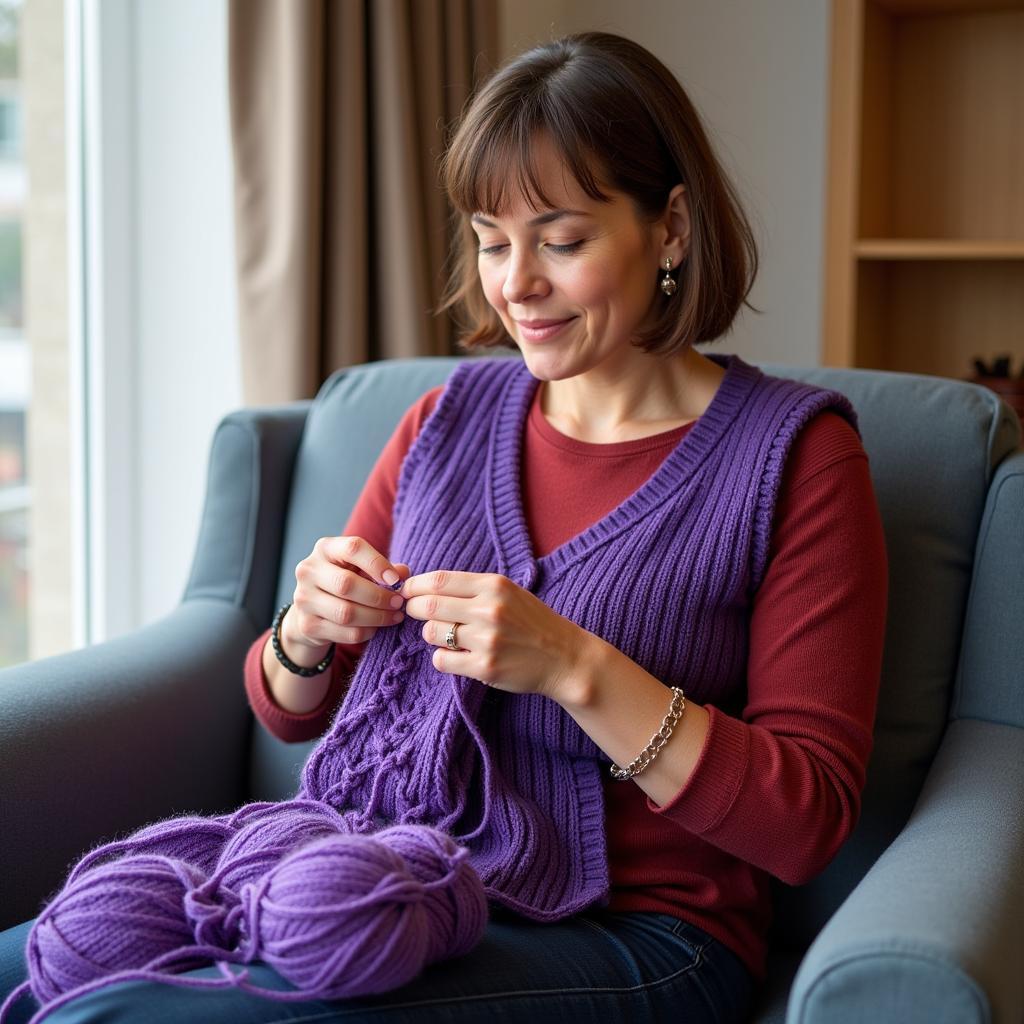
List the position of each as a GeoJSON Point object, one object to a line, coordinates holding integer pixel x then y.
{"type": "Point", "coordinates": [925, 215]}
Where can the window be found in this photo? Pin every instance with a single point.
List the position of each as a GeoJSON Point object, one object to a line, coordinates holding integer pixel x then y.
{"type": "Point", "coordinates": [14, 353]}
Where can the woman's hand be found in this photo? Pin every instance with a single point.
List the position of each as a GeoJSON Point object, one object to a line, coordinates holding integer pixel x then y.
{"type": "Point", "coordinates": [337, 598]}
{"type": "Point", "coordinates": [507, 637]}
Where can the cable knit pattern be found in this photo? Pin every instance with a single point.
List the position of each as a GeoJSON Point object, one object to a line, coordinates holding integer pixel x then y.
{"type": "Point", "coordinates": [512, 776]}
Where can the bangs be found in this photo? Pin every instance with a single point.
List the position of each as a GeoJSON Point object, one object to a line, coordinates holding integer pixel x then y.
{"type": "Point", "coordinates": [486, 171]}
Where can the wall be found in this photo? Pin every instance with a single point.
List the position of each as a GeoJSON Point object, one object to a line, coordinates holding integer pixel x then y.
{"type": "Point", "coordinates": [758, 74]}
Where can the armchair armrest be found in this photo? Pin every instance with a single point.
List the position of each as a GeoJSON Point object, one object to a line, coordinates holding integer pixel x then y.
{"type": "Point", "coordinates": [988, 681]}
{"type": "Point", "coordinates": [934, 932]}
{"type": "Point", "coordinates": [248, 488]}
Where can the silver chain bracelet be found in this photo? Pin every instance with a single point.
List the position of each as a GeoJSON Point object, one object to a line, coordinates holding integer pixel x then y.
{"type": "Point", "coordinates": [658, 740]}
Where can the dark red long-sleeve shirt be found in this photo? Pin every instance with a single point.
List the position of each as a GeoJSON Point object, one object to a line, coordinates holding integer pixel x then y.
{"type": "Point", "coordinates": [777, 787]}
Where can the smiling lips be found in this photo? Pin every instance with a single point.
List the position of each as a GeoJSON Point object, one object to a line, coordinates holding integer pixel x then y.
{"type": "Point", "coordinates": [540, 330]}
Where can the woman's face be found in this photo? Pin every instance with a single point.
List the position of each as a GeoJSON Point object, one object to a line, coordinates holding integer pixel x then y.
{"type": "Point", "coordinates": [596, 268]}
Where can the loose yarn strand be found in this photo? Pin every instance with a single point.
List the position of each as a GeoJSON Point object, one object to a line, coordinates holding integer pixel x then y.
{"type": "Point", "coordinates": [485, 760]}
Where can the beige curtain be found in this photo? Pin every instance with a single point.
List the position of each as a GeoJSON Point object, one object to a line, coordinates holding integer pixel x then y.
{"type": "Point", "coordinates": [338, 116]}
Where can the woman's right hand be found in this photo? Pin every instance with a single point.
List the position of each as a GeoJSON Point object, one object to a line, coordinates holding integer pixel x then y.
{"type": "Point", "coordinates": [337, 598]}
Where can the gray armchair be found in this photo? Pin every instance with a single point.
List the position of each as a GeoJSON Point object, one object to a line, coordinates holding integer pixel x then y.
{"type": "Point", "coordinates": [920, 917]}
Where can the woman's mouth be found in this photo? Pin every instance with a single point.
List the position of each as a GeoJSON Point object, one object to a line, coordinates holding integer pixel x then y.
{"type": "Point", "coordinates": [542, 329]}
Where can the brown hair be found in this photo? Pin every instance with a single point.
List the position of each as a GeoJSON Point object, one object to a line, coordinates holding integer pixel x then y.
{"type": "Point", "coordinates": [618, 116]}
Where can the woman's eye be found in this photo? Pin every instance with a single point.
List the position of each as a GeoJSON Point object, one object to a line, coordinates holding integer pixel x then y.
{"type": "Point", "coordinates": [560, 249]}
{"type": "Point", "coordinates": [570, 247]}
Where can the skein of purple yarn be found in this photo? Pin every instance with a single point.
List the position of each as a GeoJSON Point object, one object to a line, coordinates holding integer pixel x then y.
{"type": "Point", "coordinates": [337, 914]}
{"type": "Point", "coordinates": [373, 918]}
{"type": "Point", "coordinates": [459, 911]}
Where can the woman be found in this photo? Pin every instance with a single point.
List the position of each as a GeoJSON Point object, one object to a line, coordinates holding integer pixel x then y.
{"type": "Point", "coordinates": [672, 561]}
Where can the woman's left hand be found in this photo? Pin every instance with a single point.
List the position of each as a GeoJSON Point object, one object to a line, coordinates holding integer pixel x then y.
{"type": "Point", "coordinates": [507, 637]}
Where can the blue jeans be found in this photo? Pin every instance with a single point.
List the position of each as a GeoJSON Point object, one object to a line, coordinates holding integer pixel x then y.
{"type": "Point", "coordinates": [600, 966]}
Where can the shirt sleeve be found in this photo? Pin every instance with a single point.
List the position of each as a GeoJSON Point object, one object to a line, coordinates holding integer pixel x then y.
{"type": "Point", "coordinates": [780, 785]}
{"type": "Point", "coordinates": [372, 520]}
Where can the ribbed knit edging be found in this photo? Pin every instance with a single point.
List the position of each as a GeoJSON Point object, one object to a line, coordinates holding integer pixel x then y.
{"type": "Point", "coordinates": [592, 888]}
{"type": "Point", "coordinates": [435, 427]}
{"type": "Point", "coordinates": [506, 517]}
{"type": "Point", "coordinates": [814, 401]}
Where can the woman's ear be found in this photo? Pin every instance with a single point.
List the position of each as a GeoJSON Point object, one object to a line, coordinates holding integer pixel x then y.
{"type": "Point", "coordinates": [675, 226]}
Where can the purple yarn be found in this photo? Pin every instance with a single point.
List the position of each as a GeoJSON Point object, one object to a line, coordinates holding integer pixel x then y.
{"type": "Point", "coordinates": [269, 832]}
{"type": "Point", "coordinates": [458, 915]}
{"type": "Point", "coordinates": [341, 916]}
{"type": "Point", "coordinates": [138, 898]}
{"type": "Point", "coordinates": [292, 884]}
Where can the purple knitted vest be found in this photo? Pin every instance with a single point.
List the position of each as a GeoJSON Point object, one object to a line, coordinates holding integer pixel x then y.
{"type": "Point", "coordinates": [667, 577]}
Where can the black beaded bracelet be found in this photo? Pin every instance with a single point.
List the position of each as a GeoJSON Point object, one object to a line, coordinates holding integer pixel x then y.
{"type": "Point", "coordinates": [275, 639]}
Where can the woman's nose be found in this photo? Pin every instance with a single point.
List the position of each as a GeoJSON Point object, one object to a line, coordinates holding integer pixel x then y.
{"type": "Point", "coordinates": [523, 279]}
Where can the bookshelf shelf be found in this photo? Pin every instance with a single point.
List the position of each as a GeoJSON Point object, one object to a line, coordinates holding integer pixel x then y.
{"type": "Point", "coordinates": [936, 249]}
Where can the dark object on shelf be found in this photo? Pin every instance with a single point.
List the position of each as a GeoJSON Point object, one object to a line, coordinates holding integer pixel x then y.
{"type": "Point", "coordinates": [997, 378]}
{"type": "Point", "coordinates": [1000, 368]}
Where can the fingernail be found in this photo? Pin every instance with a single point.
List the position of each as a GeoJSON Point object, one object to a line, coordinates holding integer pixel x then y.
{"type": "Point", "coordinates": [390, 577]}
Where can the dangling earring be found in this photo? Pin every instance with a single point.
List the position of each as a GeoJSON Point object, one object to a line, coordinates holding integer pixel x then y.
{"type": "Point", "coordinates": [668, 286]}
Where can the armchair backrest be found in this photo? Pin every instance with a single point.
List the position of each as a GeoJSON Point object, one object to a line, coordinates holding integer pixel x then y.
{"type": "Point", "coordinates": [935, 448]}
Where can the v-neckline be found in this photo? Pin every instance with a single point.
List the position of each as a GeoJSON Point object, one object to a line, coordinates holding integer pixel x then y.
{"type": "Point", "coordinates": [504, 491]}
